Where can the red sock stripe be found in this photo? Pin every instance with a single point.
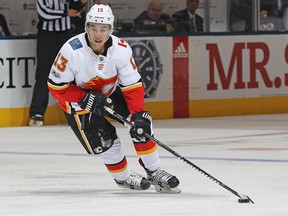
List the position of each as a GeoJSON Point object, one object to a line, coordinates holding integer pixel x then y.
{"type": "Point", "coordinates": [145, 148]}
{"type": "Point", "coordinates": [116, 168]}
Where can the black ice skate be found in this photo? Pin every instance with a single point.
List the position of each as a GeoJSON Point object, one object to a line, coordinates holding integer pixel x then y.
{"type": "Point", "coordinates": [36, 120]}
{"type": "Point", "coordinates": [135, 182]}
{"type": "Point", "coordinates": [163, 181]}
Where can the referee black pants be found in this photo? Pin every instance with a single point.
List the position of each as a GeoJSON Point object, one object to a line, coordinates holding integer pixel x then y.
{"type": "Point", "coordinates": [48, 45]}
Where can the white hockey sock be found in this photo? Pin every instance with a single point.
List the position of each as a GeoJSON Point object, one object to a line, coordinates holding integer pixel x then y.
{"type": "Point", "coordinates": [114, 156]}
{"type": "Point", "coordinates": [151, 161]}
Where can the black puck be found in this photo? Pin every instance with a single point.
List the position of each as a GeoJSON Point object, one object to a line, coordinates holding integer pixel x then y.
{"type": "Point", "coordinates": [243, 200]}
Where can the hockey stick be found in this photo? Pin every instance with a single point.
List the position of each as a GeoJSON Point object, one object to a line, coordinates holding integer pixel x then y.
{"type": "Point", "coordinates": [242, 198]}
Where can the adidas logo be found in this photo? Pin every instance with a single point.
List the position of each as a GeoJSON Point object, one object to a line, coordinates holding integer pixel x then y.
{"type": "Point", "coordinates": [180, 51]}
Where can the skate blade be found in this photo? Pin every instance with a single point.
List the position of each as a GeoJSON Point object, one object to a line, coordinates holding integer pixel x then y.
{"type": "Point", "coordinates": [124, 187]}
{"type": "Point", "coordinates": [167, 190]}
{"type": "Point", "coordinates": [33, 123]}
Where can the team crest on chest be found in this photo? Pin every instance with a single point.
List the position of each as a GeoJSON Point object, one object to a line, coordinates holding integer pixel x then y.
{"type": "Point", "coordinates": [101, 85]}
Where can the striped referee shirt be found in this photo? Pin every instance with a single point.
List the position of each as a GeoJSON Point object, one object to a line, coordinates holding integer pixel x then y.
{"type": "Point", "coordinates": [53, 15]}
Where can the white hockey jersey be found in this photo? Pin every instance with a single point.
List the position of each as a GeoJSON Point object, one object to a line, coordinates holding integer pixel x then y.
{"type": "Point", "coordinates": [77, 69]}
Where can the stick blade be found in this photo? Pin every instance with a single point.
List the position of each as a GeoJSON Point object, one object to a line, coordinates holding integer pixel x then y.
{"type": "Point", "coordinates": [245, 199]}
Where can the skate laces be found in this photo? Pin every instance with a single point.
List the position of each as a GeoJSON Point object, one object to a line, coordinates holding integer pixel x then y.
{"type": "Point", "coordinates": [134, 180]}
{"type": "Point", "coordinates": [160, 177]}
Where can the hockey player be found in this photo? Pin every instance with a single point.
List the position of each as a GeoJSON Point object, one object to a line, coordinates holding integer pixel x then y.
{"type": "Point", "coordinates": [90, 68]}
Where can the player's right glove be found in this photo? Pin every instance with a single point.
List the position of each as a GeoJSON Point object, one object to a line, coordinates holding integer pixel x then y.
{"type": "Point", "coordinates": [94, 102]}
{"type": "Point", "coordinates": [141, 124]}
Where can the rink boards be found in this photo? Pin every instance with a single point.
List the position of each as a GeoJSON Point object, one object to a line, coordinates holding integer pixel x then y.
{"type": "Point", "coordinates": [196, 76]}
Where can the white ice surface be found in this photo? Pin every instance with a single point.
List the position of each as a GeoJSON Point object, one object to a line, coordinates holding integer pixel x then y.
{"type": "Point", "coordinates": [45, 171]}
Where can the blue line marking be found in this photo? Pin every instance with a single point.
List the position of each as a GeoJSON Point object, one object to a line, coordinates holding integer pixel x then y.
{"type": "Point", "coordinates": [134, 156]}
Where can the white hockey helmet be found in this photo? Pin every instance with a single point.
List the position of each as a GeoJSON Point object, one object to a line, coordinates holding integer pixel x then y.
{"type": "Point", "coordinates": [100, 13]}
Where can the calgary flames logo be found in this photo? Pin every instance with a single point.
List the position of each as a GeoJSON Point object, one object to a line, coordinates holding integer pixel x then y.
{"type": "Point", "coordinates": [104, 86]}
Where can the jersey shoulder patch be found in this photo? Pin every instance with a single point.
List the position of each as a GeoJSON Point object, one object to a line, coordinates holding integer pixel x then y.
{"type": "Point", "coordinates": [75, 43]}
{"type": "Point", "coordinates": [122, 43]}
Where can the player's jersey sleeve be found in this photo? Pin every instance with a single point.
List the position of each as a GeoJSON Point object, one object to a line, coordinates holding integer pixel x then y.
{"type": "Point", "coordinates": [129, 78]}
{"type": "Point", "coordinates": [61, 80]}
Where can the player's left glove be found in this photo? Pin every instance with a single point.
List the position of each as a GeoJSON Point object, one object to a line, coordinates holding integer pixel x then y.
{"type": "Point", "coordinates": [94, 102]}
{"type": "Point", "coordinates": [141, 124]}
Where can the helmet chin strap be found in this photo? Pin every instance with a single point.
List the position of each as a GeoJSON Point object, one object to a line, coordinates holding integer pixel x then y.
{"type": "Point", "coordinates": [87, 31]}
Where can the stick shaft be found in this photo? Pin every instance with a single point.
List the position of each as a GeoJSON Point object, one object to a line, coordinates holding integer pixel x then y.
{"type": "Point", "coordinates": [119, 117]}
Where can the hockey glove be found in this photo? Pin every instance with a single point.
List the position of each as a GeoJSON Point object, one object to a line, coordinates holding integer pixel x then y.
{"type": "Point", "coordinates": [94, 102]}
{"type": "Point", "coordinates": [142, 124]}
